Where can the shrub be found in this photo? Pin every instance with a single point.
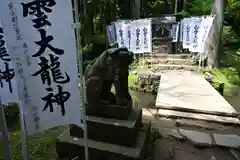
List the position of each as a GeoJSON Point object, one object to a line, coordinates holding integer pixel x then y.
{"type": "Point", "coordinates": [11, 112]}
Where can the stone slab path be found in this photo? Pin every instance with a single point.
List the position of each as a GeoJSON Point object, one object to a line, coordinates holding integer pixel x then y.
{"type": "Point", "coordinates": [189, 91]}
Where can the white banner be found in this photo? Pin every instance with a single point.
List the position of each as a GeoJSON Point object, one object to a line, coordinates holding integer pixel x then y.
{"type": "Point", "coordinates": [174, 32]}
{"type": "Point", "coordinates": [134, 44]}
{"type": "Point", "coordinates": [8, 86]}
{"type": "Point", "coordinates": [137, 38]}
{"type": "Point", "coordinates": [135, 35]}
{"type": "Point", "coordinates": [205, 29]}
{"type": "Point", "coordinates": [111, 34]}
{"type": "Point", "coordinates": [181, 30]}
{"type": "Point", "coordinates": [49, 65]}
{"type": "Point", "coordinates": [147, 36]}
{"type": "Point", "coordinates": [127, 36]}
{"type": "Point", "coordinates": [186, 33]}
{"type": "Point", "coordinates": [120, 33]}
{"type": "Point", "coordinates": [195, 37]}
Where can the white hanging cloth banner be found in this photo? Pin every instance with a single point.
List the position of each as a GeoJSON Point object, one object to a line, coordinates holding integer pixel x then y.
{"type": "Point", "coordinates": [201, 33]}
{"type": "Point", "coordinates": [175, 32]}
{"type": "Point", "coordinates": [205, 29]}
{"type": "Point", "coordinates": [8, 85]}
{"type": "Point", "coordinates": [127, 36]}
{"type": "Point", "coordinates": [48, 67]}
{"type": "Point", "coordinates": [181, 30]}
{"type": "Point", "coordinates": [195, 27]}
{"type": "Point", "coordinates": [146, 31]}
{"type": "Point", "coordinates": [111, 34]}
{"type": "Point", "coordinates": [186, 33]}
{"type": "Point", "coordinates": [135, 35]}
{"type": "Point", "coordinates": [137, 38]}
{"type": "Point", "coordinates": [120, 33]}
{"type": "Point", "coordinates": [134, 46]}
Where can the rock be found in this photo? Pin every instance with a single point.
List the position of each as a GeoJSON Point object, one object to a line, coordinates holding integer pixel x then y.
{"type": "Point", "coordinates": [177, 135]}
{"type": "Point", "coordinates": [227, 140]}
{"type": "Point", "coordinates": [208, 76]}
{"type": "Point", "coordinates": [197, 138]}
{"type": "Point", "coordinates": [198, 116]}
{"type": "Point", "coordinates": [197, 124]}
{"type": "Point", "coordinates": [213, 158]}
{"type": "Point", "coordinates": [148, 113]}
{"type": "Point", "coordinates": [235, 154]}
{"type": "Point", "coordinates": [134, 72]}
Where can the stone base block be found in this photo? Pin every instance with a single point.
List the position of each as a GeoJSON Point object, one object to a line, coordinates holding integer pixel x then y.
{"type": "Point", "coordinates": [71, 147]}
{"type": "Point", "coordinates": [120, 132]}
{"type": "Point", "coordinates": [111, 111]}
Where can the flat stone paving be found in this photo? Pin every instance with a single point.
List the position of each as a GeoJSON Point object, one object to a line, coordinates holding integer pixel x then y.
{"type": "Point", "coordinates": [189, 91]}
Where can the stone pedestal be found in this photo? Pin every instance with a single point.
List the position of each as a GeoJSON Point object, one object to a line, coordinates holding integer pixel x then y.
{"type": "Point", "coordinates": [108, 138]}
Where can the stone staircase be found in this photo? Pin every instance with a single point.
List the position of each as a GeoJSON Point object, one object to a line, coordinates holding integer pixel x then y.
{"type": "Point", "coordinates": [162, 62]}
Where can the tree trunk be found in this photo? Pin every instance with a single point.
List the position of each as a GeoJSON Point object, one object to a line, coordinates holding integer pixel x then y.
{"type": "Point", "coordinates": [214, 38]}
{"type": "Point", "coordinates": [184, 5]}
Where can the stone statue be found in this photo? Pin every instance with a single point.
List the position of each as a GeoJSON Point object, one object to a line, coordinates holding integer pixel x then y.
{"type": "Point", "coordinates": [110, 68]}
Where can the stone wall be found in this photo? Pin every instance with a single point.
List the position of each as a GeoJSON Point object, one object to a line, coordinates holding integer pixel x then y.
{"type": "Point", "coordinates": [147, 82]}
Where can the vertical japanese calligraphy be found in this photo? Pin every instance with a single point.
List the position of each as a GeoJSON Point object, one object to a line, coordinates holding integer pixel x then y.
{"type": "Point", "coordinates": [129, 40]}
{"type": "Point", "coordinates": [146, 29]}
{"type": "Point", "coordinates": [111, 34]}
{"type": "Point", "coordinates": [6, 73]}
{"type": "Point", "coordinates": [40, 10]}
{"type": "Point", "coordinates": [8, 89]}
{"type": "Point", "coordinates": [137, 40]}
{"type": "Point", "coordinates": [46, 61]}
{"type": "Point", "coordinates": [174, 32]}
{"type": "Point", "coordinates": [186, 32]}
{"type": "Point", "coordinates": [135, 35]}
{"type": "Point", "coordinates": [194, 34]}
{"type": "Point", "coordinates": [195, 30]}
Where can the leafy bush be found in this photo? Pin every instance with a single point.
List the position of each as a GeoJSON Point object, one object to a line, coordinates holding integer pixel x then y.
{"type": "Point", "coordinates": [11, 112]}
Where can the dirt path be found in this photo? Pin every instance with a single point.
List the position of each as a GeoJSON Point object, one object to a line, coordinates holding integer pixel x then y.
{"type": "Point", "coordinates": [172, 146]}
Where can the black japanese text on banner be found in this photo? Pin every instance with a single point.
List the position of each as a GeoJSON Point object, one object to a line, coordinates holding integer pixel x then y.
{"type": "Point", "coordinates": [135, 35]}
{"type": "Point", "coordinates": [111, 34]}
{"type": "Point", "coordinates": [175, 31]}
{"type": "Point", "coordinates": [186, 33]}
{"type": "Point", "coordinates": [8, 86]}
{"type": "Point", "coordinates": [49, 67]}
{"type": "Point", "coordinates": [195, 27]}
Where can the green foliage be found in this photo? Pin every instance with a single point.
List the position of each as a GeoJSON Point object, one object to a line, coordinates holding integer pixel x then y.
{"type": "Point", "coordinates": [11, 112]}
{"type": "Point", "coordinates": [229, 37]}
{"type": "Point", "coordinates": [41, 146]}
{"type": "Point", "coordinates": [156, 7]}
{"type": "Point", "coordinates": [232, 15]}
{"type": "Point", "coordinates": [197, 8]}
{"type": "Point", "coordinates": [156, 4]}
{"type": "Point", "coordinates": [94, 49]}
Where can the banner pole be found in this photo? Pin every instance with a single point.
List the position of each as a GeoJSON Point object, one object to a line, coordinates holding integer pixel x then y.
{"type": "Point", "coordinates": [23, 132]}
{"type": "Point", "coordinates": [81, 80]}
{"type": "Point", "coordinates": [5, 136]}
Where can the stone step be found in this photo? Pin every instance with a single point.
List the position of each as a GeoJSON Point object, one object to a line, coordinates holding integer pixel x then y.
{"type": "Point", "coordinates": [170, 61]}
{"type": "Point", "coordinates": [198, 116]}
{"type": "Point", "coordinates": [70, 147]}
{"type": "Point", "coordinates": [120, 132]}
{"type": "Point", "coordinates": [166, 55]}
{"type": "Point", "coordinates": [162, 67]}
